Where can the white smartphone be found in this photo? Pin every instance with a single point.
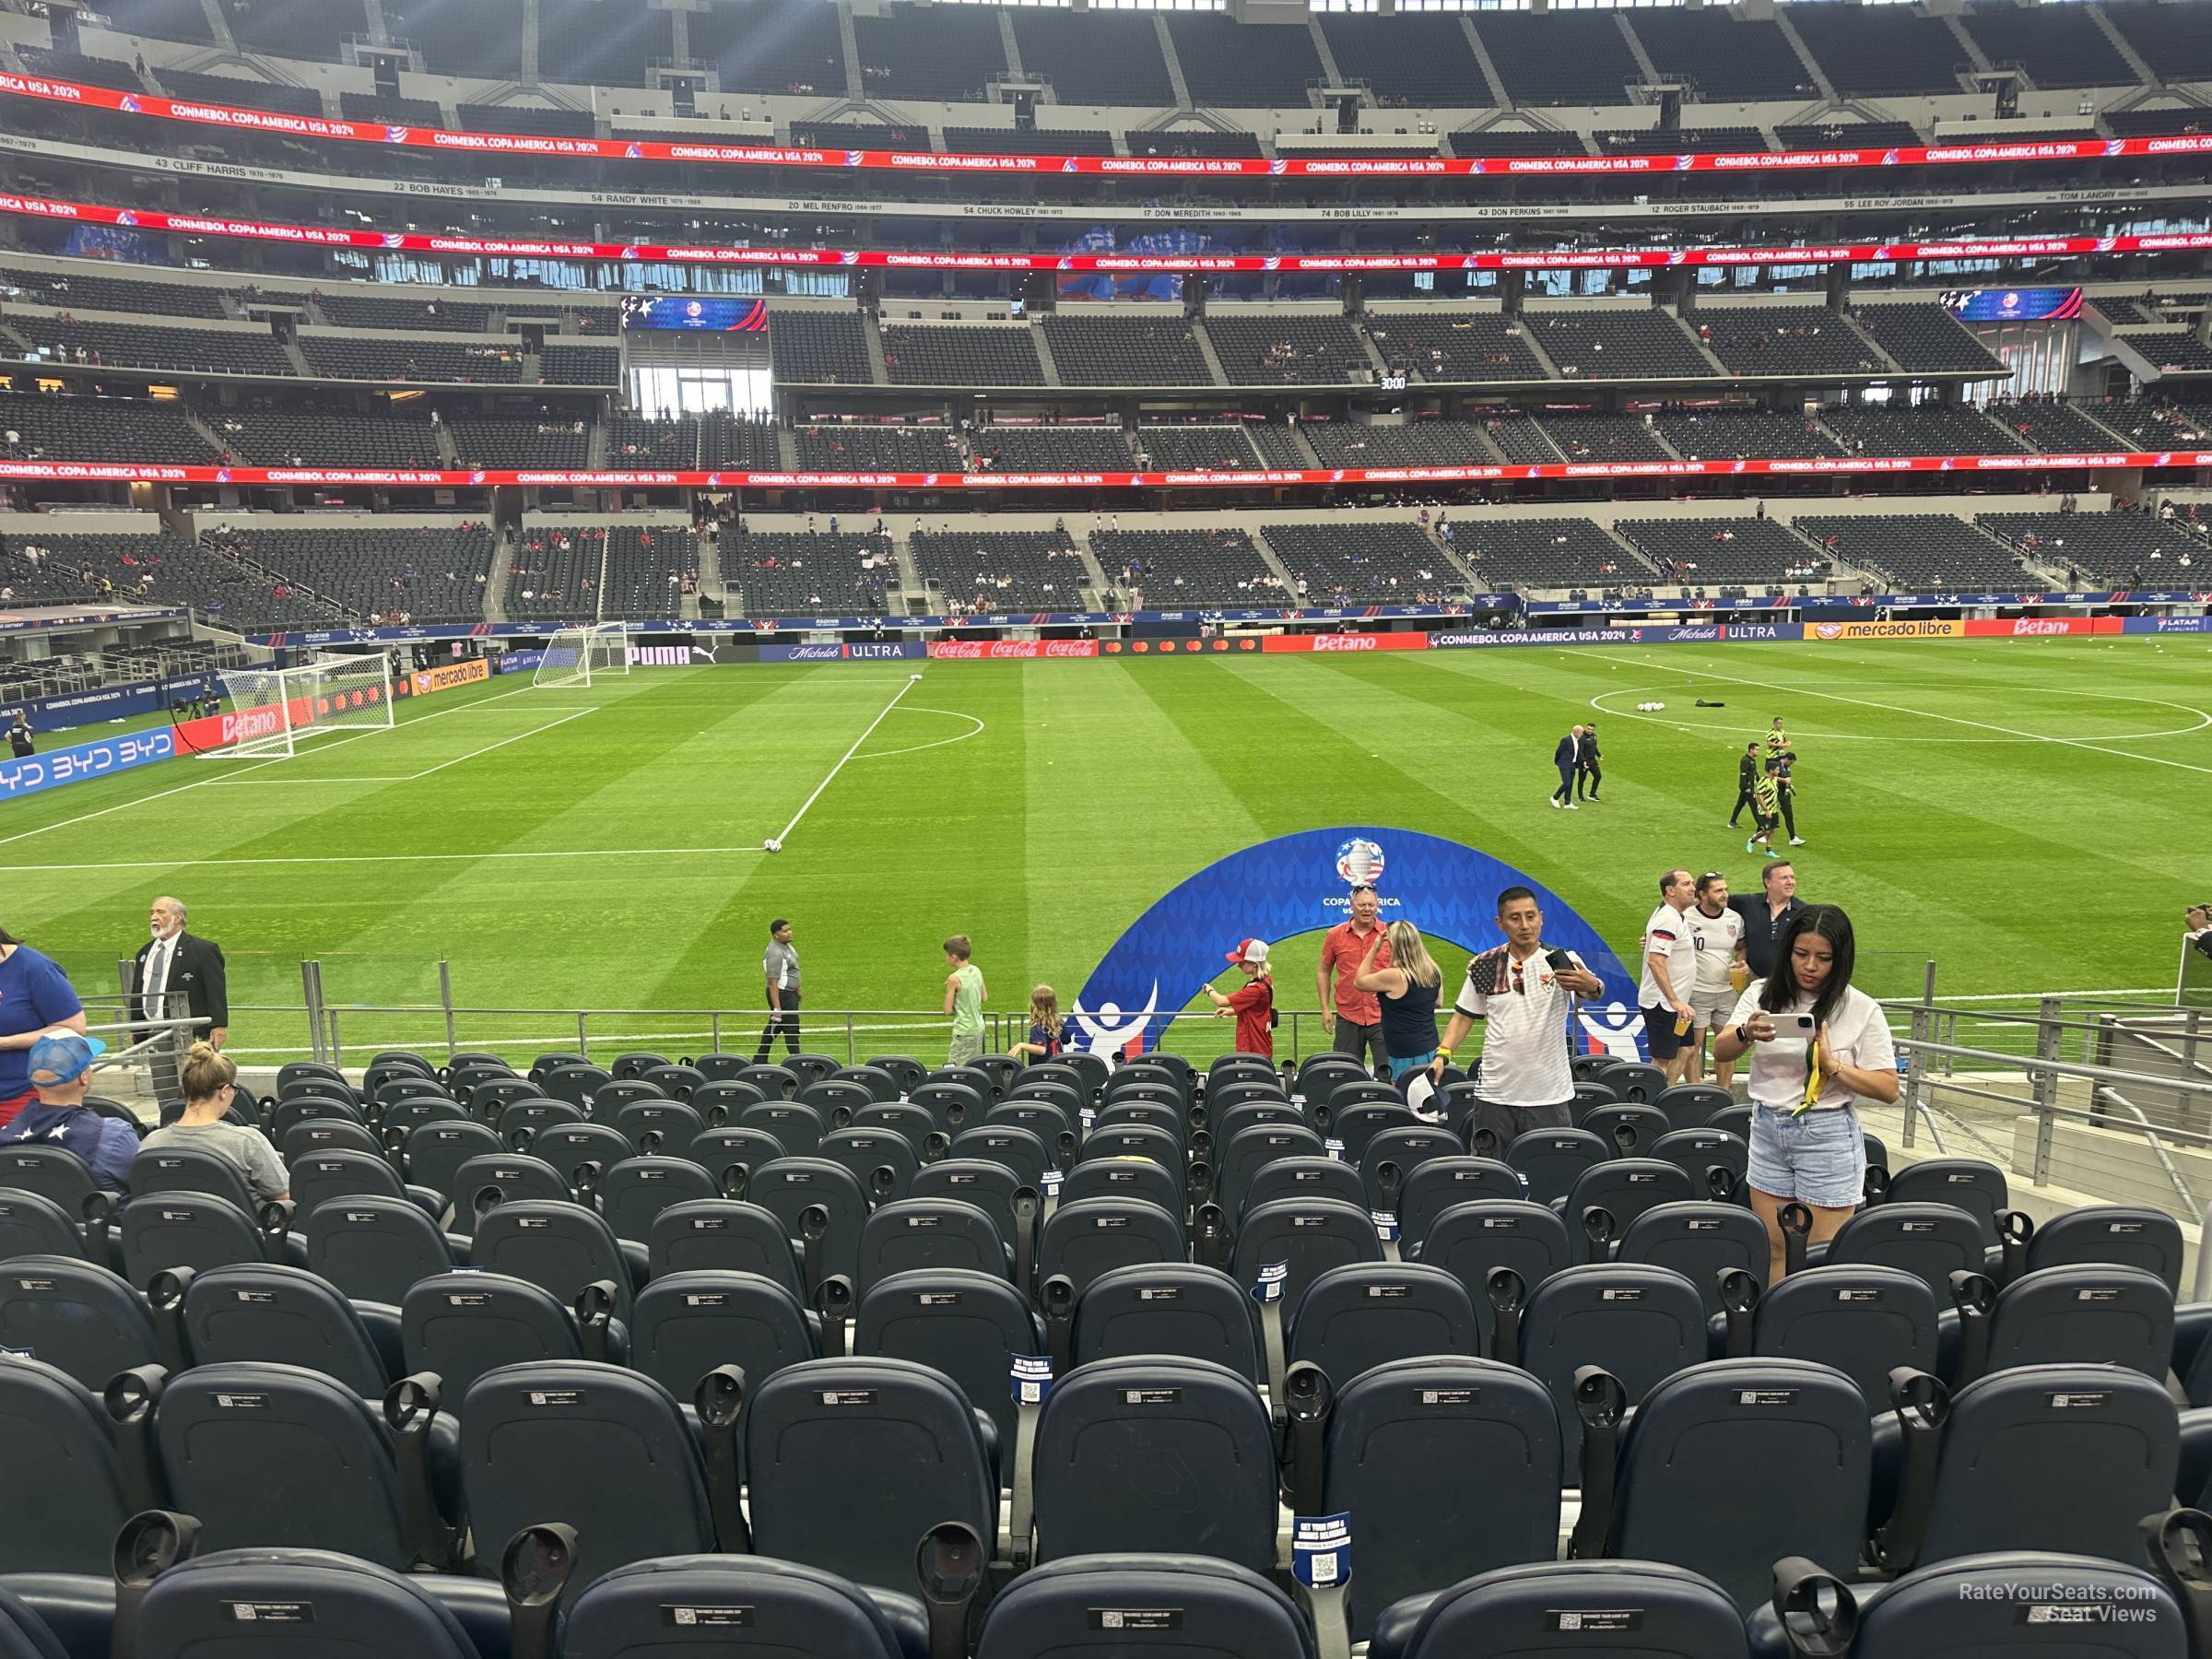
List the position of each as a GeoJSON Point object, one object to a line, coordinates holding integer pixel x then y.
{"type": "Point", "coordinates": [1795, 1025]}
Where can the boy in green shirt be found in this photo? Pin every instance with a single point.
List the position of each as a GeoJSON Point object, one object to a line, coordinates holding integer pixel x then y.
{"type": "Point", "coordinates": [964, 993]}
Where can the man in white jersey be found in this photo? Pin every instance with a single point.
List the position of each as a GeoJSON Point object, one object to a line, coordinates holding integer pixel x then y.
{"type": "Point", "coordinates": [1670, 961]}
{"type": "Point", "coordinates": [1718, 933]}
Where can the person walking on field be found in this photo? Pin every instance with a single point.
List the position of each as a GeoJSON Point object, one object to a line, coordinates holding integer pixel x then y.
{"type": "Point", "coordinates": [780, 967]}
{"type": "Point", "coordinates": [1566, 757]}
{"type": "Point", "coordinates": [1586, 767]}
{"type": "Point", "coordinates": [964, 995]}
{"type": "Point", "coordinates": [1747, 780]}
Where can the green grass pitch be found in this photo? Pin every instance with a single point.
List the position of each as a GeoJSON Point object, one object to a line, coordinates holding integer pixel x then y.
{"type": "Point", "coordinates": [2029, 813]}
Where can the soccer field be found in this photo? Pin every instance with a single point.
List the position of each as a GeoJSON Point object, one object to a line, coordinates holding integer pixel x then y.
{"type": "Point", "coordinates": [2029, 813]}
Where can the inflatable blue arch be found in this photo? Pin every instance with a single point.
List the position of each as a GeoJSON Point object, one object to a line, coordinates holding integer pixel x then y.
{"type": "Point", "coordinates": [1295, 884]}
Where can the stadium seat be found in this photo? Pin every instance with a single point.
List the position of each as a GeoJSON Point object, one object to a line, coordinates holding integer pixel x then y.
{"type": "Point", "coordinates": [608, 1102]}
{"type": "Point", "coordinates": [1446, 1465]}
{"type": "Point", "coordinates": [194, 1608]}
{"type": "Point", "coordinates": [332, 1134]}
{"type": "Point", "coordinates": [684, 1324]}
{"type": "Point", "coordinates": [1438, 1184]}
{"type": "Point", "coordinates": [161, 1230]}
{"type": "Point", "coordinates": [1236, 1107]}
{"type": "Point", "coordinates": [850, 1461]}
{"type": "Point", "coordinates": [1248, 1150]}
{"type": "Point", "coordinates": [80, 1318]}
{"type": "Point", "coordinates": [774, 1082]}
{"type": "Point", "coordinates": [1163, 1453]}
{"type": "Point", "coordinates": [1703, 1242]}
{"type": "Point", "coordinates": [1863, 1320]}
{"type": "Point", "coordinates": [721, 1235]}
{"type": "Point", "coordinates": [375, 1249]}
{"type": "Point", "coordinates": [494, 1094]}
{"type": "Point", "coordinates": [678, 1082]}
{"type": "Point", "coordinates": [520, 1120]}
{"type": "Point", "coordinates": [1311, 1236]}
{"type": "Point", "coordinates": [790, 1188]}
{"type": "Point", "coordinates": [2122, 1235]}
{"type": "Point", "coordinates": [1639, 1324]}
{"type": "Point", "coordinates": [437, 1151]}
{"type": "Point", "coordinates": [1354, 1318]}
{"type": "Point", "coordinates": [635, 1064]}
{"type": "Point", "coordinates": [1700, 1151]}
{"type": "Point", "coordinates": [907, 1071]}
{"type": "Point", "coordinates": [189, 1170]}
{"type": "Point", "coordinates": [787, 1608]}
{"type": "Point", "coordinates": [910, 1123]}
{"type": "Point", "coordinates": [1166, 1115]}
{"type": "Point", "coordinates": [302, 1109]}
{"type": "Point", "coordinates": [954, 1105]}
{"type": "Point", "coordinates": [1972, 1184]}
{"type": "Point", "coordinates": [810, 1069]}
{"type": "Point", "coordinates": [1550, 1161]}
{"type": "Point", "coordinates": [659, 1128]}
{"type": "Point", "coordinates": [504, 1178]}
{"type": "Point", "coordinates": [882, 1086]}
{"type": "Point", "coordinates": [281, 1456]}
{"type": "Point", "coordinates": [1691, 1105]}
{"type": "Point", "coordinates": [991, 1187]}
{"type": "Point", "coordinates": [60, 1446]}
{"type": "Point", "coordinates": [718, 1100]}
{"type": "Point", "coordinates": [1358, 1124]}
{"type": "Point", "coordinates": [563, 1248]}
{"type": "Point", "coordinates": [2067, 1458]}
{"type": "Point", "coordinates": [1477, 1239]}
{"type": "Point", "coordinates": [911, 1234]}
{"type": "Point", "coordinates": [576, 1082]}
{"type": "Point", "coordinates": [1082, 1240]}
{"type": "Point", "coordinates": [1016, 1148]}
{"type": "Point", "coordinates": [1311, 1176]}
{"type": "Point", "coordinates": [632, 1193]}
{"type": "Point", "coordinates": [720, 1067]}
{"type": "Point", "coordinates": [2085, 1314]}
{"type": "Point", "coordinates": [1047, 1114]}
{"type": "Point", "coordinates": [594, 1442]}
{"type": "Point", "coordinates": [32, 1226]}
{"type": "Point", "coordinates": [798, 1129]}
{"type": "Point", "coordinates": [321, 1176]}
{"type": "Point", "coordinates": [1628, 1128]}
{"type": "Point", "coordinates": [1124, 1177]}
{"type": "Point", "coordinates": [462, 1323]}
{"type": "Point", "coordinates": [1392, 1158]}
{"type": "Point", "coordinates": [1167, 1307]}
{"type": "Point", "coordinates": [1929, 1240]}
{"type": "Point", "coordinates": [836, 1101]}
{"type": "Point", "coordinates": [257, 1314]}
{"type": "Point", "coordinates": [1083, 1606]}
{"type": "Point", "coordinates": [1623, 1188]}
{"type": "Point", "coordinates": [1571, 1609]}
{"type": "Point", "coordinates": [1636, 1083]}
{"type": "Point", "coordinates": [570, 1148]}
{"type": "Point", "coordinates": [881, 1158]}
{"type": "Point", "coordinates": [1136, 1140]}
{"type": "Point", "coordinates": [1681, 1494]}
{"type": "Point", "coordinates": [967, 1325]}
{"type": "Point", "coordinates": [719, 1150]}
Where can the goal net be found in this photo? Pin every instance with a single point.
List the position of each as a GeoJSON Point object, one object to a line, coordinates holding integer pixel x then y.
{"type": "Point", "coordinates": [272, 710]}
{"type": "Point", "coordinates": [575, 657]}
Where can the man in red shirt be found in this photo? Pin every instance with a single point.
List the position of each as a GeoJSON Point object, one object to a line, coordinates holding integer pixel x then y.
{"type": "Point", "coordinates": [1252, 1002]}
{"type": "Point", "coordinates": [1343, 948]}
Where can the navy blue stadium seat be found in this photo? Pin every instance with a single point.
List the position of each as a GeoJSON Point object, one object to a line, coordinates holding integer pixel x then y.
{"type": "Point", "coordinates": [331, 1134]}
{"type": "Point", "coordinates": [685, 1324]}
{"type": "Point", "coordinates": [2087, 1314]}
{"type": "Point", "coordinates": [1447, 1466]}
{"type": "Point", "coordinates": [32, 1226]}
{"type": "Point", "coordinates": [1354, 1318]}
{"type": "Point", "coordinates": [2056, 1457]}
{"type": "Point", "coordinates": [1799, 1429]}
{"type": "Point", "coordinates": [436, 1154]}
{"type": "Point", "coordinates": [1700, 1151]}
{"type": "Point", "coordinates": [1169, 1308]}
{"type": "Point", "coordinates": [990, 1187]}
{"type": "Point", "coordinates": [660, 1128]}
{"type": "Point", "coordinates": [789, 1187]}
{"type": "Point", "coordinates": [504, 1179]}
{"type": "Point", "coordinates": [969, 1326]}
{"type": "Point", "coordinates": [1865, 1321]}
{"type": "Point", "coordinates": [2123, 1235]}
{"type": "Point", "coordinates": [1082, 1240]}
{"type": "Point", "coordinates": [373, 1249]}
{"type": "Point", "coordinates": [1624, 1188]}
{"type": "Point", "coordinates": [321, 1176]}
{"type": "Point", "coordinates": [632, 1193]}
{"type": "Point", "coordinates": [161, 1230]}
{"type": "Point", "coordinates": [460, 1325]}
{"type": "Point", "coordinates": [560, 1247]}
{"type": "Point", "coordinates": [1441, 1183]}
{"type": "Point", "coordinates": [76, 1316]}
{"type": "Point", "coordinates": [608, 1450]}
{"type": "Point", "coordinates": [1929, 1240]}
{"type": "Point", "coordinates": [257, 1314]}
{"type": "Point", "coordinates": [56, 1443]}
{"type": "Point", "coordinates": [850, 1461]}
{"type": "Point", "coordinates": [1973, 1185]}
{"type": "Point", "coordinates": [1472, 1241]}
{"type": "Point", "coordinates": [1311, 1236]}
{"type": "Point", "coordinates": [1571, 1609]}
{"type": "Point", "coordinates": [1156, 1453]}
{"type": "Point", "coordinates": [1551, 1159]}
{"type": "Point", "coordinates": [1107, 1606]}
{"type": "Point", "coordinates": [570, 1148]}
{"type": "Point", "coordinates": [642, 1609]}
{"type": "Point", "coordinates": [1701, 1241]}
{"type": "Point", "coordinates": [798, 1129]}
{"type": "Point", "coordinates": [1301, 1178]}
{"type": "Point", "coordinates": [914, 1233]}
{"type": "Point", "coordinates": [722, 1235]}
{"type": "Point", "coordinates": [1640, 1323]}
{"type": "Point", "coordinates": [1123, 1178]}
{"type": "Point", "coordinates": [193, 1610]}
{"type": "Point", "coordinates": [882, 1158]}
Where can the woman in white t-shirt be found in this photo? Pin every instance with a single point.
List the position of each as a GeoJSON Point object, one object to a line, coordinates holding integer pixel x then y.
{"type": "Point", "coordinates": [1818, 1047]}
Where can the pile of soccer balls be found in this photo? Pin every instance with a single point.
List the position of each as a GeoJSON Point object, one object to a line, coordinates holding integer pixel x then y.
{"type": "Point", "coordinates": [1649, 707]}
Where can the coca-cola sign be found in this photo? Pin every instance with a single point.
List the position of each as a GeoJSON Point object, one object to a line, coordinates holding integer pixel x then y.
{"type": "Point", "coordinates": [1025, 650]}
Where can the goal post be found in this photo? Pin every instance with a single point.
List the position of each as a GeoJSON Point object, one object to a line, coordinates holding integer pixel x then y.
{"type": "Point", "coordinates": [273, 711]}
{"type": "Point", "coordinates": [575, 657]}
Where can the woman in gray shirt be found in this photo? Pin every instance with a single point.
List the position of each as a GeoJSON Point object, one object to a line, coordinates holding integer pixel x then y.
{"type": "Point", "coordinates": [210, 1081]}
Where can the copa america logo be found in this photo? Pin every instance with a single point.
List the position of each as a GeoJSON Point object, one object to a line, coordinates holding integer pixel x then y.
{"type": "Point", "coordinates": [636, 152]}
{"type": "Point", "coordinates": [395, 134]}
{"type": "Point", "coordinates": [130, 105]}
{"type": "Point", "coordinates": [1359, 862]}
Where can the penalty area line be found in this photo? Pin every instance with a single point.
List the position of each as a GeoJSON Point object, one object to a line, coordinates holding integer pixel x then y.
{"type": "Point", "coordinates": [362, 858]}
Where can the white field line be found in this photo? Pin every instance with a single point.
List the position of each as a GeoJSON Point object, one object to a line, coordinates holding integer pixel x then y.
{"type": "Point", "coordinates": [370, 858]}
{"type": "Point", "coordinates": [913, 680]}
{"type": "Point", "coordinates": [503, 741]}
{"type": "Point", "coordinates": [974, 725]}
{"type": "Point", "coordinates": [1797, 690]}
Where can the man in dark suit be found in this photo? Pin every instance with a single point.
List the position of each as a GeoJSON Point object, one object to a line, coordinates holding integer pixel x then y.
{"type": "Point", "coordinates": [179, 976]}
{"type": "Point", "coordinates": [1567, 757]}
{"type": "Point", "coordinates": [1586, 768]}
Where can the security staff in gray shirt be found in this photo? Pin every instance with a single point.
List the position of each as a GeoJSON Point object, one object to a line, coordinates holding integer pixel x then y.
{"type": "Point", "coordinates": [780, 967]}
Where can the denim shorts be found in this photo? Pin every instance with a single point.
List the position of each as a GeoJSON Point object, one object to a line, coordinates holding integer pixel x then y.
{"type": "Point", "coordinates": [1819, 1159]}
